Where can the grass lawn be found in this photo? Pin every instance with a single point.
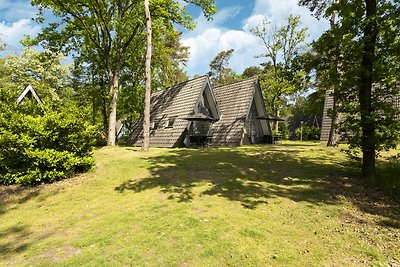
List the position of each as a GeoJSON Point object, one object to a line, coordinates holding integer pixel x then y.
{"type": "Point", "coordinates": [295, 204]}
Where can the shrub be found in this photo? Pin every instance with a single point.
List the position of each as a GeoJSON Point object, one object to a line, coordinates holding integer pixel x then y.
{"type": "Point", "coordinates": [43, 148]}
{"type": "Point", "coordinates": [309, 133]}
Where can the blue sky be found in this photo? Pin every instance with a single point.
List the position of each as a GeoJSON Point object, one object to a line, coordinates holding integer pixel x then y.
{"type": "Point", "coordinates": [229, 29]}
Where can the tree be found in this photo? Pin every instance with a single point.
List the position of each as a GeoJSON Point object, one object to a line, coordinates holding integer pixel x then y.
{"type": "Point", "coordinates": [282, 47]}
{"type": "Point", "coordinates": [368, 72]}
{"type": "Point", "coordinates": [370, 33]}
{"type": "Point", "coordinates": [3, 45]}
{"type": "Point", "coordinates": [313, 104]}
{"type": "Point", "coordinates": [108, 33]}
{"type": "Point", "coordinates": [251, 72]}
{"type": "Point", "coordinates": [146, 121]}
{"type": "Point", "coordinates": [43, 70]}
{"type": "Point", "coordinates": [220, 72]}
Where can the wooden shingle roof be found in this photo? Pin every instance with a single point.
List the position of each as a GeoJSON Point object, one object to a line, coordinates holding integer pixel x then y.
{"type": "Point", "coordinates": [234, 101]}
{"type": "Point", "coordinates": [172, 104]}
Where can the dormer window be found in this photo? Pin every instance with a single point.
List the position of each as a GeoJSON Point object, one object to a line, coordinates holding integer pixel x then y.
{"type": "Point", "coordinates": [154, 125]}
{"type": "Point", "coordinates": [170, 122]}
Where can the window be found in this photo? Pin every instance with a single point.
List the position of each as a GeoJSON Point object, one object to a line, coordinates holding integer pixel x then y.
{"type": "Point", "coordinates": [155, 124]}
{"type": "Point", "coordinates": [171, 121]}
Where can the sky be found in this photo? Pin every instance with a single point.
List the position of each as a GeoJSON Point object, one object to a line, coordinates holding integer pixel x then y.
{"type": "Point", "coordinates": [228, 29]}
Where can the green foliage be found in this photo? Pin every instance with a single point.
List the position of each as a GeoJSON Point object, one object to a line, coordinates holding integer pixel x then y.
{"type": "Point", "coordinates": [283, 45]}
{"type": "Point", "coordinates": [388, 178]}
{"type": "Point", "coordinates": [370, 120]}
{"type": "Point", "coordinates": [109, 37]}
{"type": "Point", "coordinates": [251, 72]}
{"type": "Point", "coordinates": [43, 70]}
{"type": "Point", "coordinates": [308, 133]}
{"type": "Point", "coordinates": [3, 45]}
{"type": "Point", "coordinates": [220, 72]}
{"type": "Point", "coordinates": [283, 130]}
{"type": "Point", "coordinates": [313, 104]}
{"type": "Point", "coordinates": [43, 148]}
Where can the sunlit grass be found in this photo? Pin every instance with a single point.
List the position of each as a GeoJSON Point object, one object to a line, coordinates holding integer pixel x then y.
{"type": "Point", "coordinates": [295, 204]}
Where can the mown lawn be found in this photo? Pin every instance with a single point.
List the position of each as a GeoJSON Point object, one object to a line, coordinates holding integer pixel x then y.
{"type": "Point", "coordinates": [295, 204]}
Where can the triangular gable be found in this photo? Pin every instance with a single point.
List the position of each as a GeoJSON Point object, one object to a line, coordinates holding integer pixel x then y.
{"type": "Point", "coordinates": [207, 94]}
{"type": "Point", "coordinates": [29, 91]}
{"type": "Point", "coordinates": [169, 108]}
{"type": "Point", "coordinates": [235, 101]}
{"type": "Point", "coordinates": [260, 106]}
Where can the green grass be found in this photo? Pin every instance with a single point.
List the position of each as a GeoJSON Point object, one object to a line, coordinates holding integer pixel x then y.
{"type": "Point", "coordinates": [295, 204]}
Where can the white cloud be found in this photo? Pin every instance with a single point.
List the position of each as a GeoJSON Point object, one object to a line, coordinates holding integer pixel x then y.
{"type": "Point", "coordinates": [212, 37]}
{"type": "Point", "coordinates": [278, 14]}
{"type": "Point", "coordinates": [205, 46]}
{"type": "Point", "coordinates": [13, 33]}
{"type": "Point", "coordinates": [253, 21]}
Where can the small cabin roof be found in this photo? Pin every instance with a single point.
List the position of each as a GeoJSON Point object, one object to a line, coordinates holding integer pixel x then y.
{"type": "Point", "coordinates": [234, 101]}
{"type": "Point", "coordinates": [174, 103]}
{"type": "Point", "coordinates": [29, 91]}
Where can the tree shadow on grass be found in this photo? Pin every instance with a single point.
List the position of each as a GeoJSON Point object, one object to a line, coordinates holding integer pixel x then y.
{"type": "Point", "coordinates": [18, 244]}
{"type": "Point", "coordinates": [13, 195]}
{"type": "Point", "coordinates": [250, 176]}
{"type": "Point", "coordinates": [16, 194]}
{"type": "Point", "coordinates": [256, 175]}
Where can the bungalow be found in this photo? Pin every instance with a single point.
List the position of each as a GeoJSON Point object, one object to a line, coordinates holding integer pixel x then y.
{"type": "Point", "coordinates": [180, 115]}
{"type": "Point", "coordinates": [243, 116]}
{"type": "Point", "coordinates": [194, 113]}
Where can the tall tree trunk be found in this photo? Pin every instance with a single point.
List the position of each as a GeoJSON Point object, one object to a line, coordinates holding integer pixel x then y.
{"type": "Point", "coordinates": [333, 136]}
{"type": "Point", "coordinates": [146, 121]}
{"type": "Point", "coordinates": [94, 107]}
{"type": "Point", "coordinates": [114, 80]}
{"type": "Point", "coordinates": [103, 105]}
{"type": "Point", "coordinates": [276, 123]}
{"type": "Point", "coordinates": [365, 92]}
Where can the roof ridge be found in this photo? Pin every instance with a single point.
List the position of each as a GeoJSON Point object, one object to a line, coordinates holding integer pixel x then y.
{"type": "Point", "coordinates": [178, 84]}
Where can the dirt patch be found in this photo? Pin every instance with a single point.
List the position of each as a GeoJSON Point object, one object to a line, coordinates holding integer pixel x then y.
{"type": "Point", "coordinates": [61, 253]}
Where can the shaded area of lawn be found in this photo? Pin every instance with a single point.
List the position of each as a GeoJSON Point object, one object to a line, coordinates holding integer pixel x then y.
{"type": "Point", "coordinates": [285, 205]}
{"type": "Point", "coordinates": [255, 175]}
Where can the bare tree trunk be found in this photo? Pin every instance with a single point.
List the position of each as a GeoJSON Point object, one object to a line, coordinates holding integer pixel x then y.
{"type": "Point", "coordinates": [365, 94]}
{"type": "Point", "coordinates": [276, 123]}
{"type": "Point", "coordinates": [103, 105]}
{"type": "Point", "coordinates": [94, 107]}
{"type": "Point", "coordinates": [114, 80]}
{"type": "Point", "coordinates": [333, 138]}
{"type": "Point", "coordinates": [146, 121]}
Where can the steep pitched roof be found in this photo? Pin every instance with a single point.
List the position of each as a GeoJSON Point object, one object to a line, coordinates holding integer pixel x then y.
{"type": "Point", "coordinates": [172, 104]}
{"type": "Point", "coordinates": [234, 101]}
{"type": "Point", "coordinates": [27, 92]}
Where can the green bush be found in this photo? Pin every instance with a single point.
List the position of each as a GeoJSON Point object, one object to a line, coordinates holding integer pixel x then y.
{"type": "Point", "coordinates": [388, 177]}
{"type": "Point", "coordinates": [284, 130]}
{"type": "Point", "coordinates": [43, 148]}
{"type": "Point", "coordinates": [309, 133]}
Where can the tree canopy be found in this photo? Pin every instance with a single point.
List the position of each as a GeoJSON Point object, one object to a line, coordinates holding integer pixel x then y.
{"type": "Point", "coordinates": [366, 33]}
{"type": "Point", "coordinates": [109, 34]}
{"type": "Point", "coordinates": [282, 48]}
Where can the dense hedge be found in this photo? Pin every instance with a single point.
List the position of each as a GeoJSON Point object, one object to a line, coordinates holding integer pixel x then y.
{"type": "Point", "coordinates": [43, 148]}
{"type": "Point", "coordinates": [309, 133]}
